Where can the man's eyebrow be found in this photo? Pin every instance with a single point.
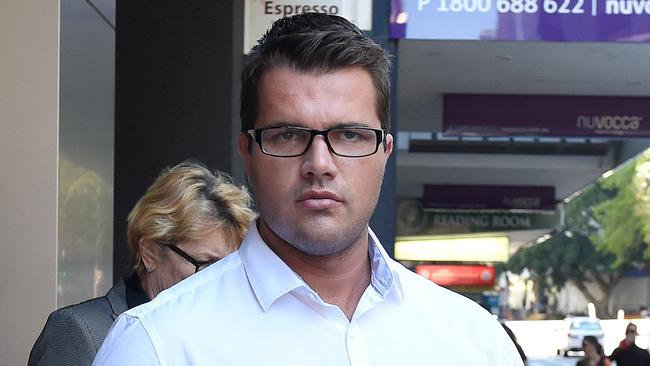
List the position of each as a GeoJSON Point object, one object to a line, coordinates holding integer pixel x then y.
{"type": "Point", "coordinates": [283, 124]}
{"type": "Point", "coordinates": [334, 125]}
{"type": "Point", "coordinates": [350, 124]}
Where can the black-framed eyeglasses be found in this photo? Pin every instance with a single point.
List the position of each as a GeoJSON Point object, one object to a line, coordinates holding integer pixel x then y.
{"type": "Point", "coordinates": [292, 141]}
{"type": "Point", "coordinates": [198, 264]}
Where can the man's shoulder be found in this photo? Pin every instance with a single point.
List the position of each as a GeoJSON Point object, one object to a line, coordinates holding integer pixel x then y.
{"type": "Point", "coordinates": [641, 351]}
{"type": "Point", "coordinates": [426, 306]}
{"type": "Point", "coordinates": [422, 292]}
{"type": "Point", "coordinates": [419, 287]}
{"type": "Point", "coordinates": [200, 288]}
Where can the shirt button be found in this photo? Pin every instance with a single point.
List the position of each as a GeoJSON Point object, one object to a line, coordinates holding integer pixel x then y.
{"type": "Point", "coordinates": [353, 333]}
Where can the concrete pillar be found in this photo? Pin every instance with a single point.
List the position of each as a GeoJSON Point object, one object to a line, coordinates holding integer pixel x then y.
{"type": "Point", "coordinates": [29, 125]}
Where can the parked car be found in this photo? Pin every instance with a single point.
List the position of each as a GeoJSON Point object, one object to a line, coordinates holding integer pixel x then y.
{"type": "Point", "coordinates": [576, 328]}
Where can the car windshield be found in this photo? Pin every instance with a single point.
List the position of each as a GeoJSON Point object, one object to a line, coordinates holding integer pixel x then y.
{"type": "Point", "coordinates": [585, 325]}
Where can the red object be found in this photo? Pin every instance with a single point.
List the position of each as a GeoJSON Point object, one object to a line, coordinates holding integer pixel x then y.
{"type": "Point", "coordinates": [624, 345]}
{"type": "Point", "coordinates": [458, 275]}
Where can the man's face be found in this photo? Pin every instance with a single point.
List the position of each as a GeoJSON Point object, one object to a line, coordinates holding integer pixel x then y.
{"type": "Point", "coordinates": [318, 202]}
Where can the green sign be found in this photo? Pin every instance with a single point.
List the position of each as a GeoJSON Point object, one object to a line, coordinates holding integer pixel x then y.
{"type": "Point", "coordinates": [412, 220]}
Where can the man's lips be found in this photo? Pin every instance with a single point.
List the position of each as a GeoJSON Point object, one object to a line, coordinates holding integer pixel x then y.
{"type": "Point", "coordinates": [319, 200]}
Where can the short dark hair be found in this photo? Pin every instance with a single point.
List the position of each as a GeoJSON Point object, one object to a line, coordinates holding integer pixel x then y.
{"type": "Point", "coordinates": [314, 42]}
{"type": "Point", "coordinates": [594, 341]}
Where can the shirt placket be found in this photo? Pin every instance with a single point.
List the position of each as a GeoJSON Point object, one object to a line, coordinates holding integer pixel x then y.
{"type": "Point", "coordinates": [357, 350]}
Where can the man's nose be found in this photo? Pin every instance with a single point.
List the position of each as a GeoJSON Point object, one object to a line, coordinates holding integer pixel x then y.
{"type": "Point", "coordinates": [319, 161]}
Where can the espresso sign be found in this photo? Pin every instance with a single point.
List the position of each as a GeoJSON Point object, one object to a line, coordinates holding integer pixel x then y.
{"type": "Point", "coordinates": [522, 20]}
{"type": "Point", "coordinates": [260, 14]}
{"type": "Point", "coordinates": [545, 115]}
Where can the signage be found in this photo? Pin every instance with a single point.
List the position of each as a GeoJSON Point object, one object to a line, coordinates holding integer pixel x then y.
{"type": "Point", "coordinates": [491, 302]}
{"type": "Point", "coordinates": [453, 248]}
{"type": "Point", "coordinates": [489, 197]}
{"type": "Point", "coordinates": [545, 115]}
{"type": "Point", "coordinates": [412, 219]}
{"type": "Point", "coordinates": [522, 20]}
{"type": "Point", "coordinates": [458, 275]}
{"type": "Point", "coordinates": [259, 15]}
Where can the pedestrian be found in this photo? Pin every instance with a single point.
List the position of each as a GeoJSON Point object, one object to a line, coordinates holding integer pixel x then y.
{"type": "Point", "coordinates": [628, 353]}
{"type": "Point", "coordinates": [188, 219]}
{"type": "Point", "coordinates": [594, 355]}
{"type": "Point", "coordinates": [311, 283]}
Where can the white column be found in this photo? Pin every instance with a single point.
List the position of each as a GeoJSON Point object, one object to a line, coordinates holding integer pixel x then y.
{"type": "Point", "coordinates": [29, 85]}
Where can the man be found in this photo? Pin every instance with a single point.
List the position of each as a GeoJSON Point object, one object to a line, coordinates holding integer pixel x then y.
{"type": "Point", "coordinates": [628, 353]}
{"type": "Point", "coordinates": [311, 283]}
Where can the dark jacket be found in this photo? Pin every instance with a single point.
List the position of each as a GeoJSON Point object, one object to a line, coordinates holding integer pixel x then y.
{"type": "Point", "coordinates": [631, 356]}
{"type": "Point", "coordinates": [72, 335]}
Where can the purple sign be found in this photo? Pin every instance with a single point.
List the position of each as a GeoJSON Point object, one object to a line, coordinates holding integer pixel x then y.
{"type": "Point", "coordinates": [522, 20]}
{"type": "Point", "coordinates": [485, 197]}
{"type": "Point", "coordinates": [545, 115]}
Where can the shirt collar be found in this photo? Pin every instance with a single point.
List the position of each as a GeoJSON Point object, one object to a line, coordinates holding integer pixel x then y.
{"type": "Point", "coordinates": [268, 275]}
{"type": "Point", "coordinates": [382, 277]}
{"type": "Point", "coordinates": [271, 278]}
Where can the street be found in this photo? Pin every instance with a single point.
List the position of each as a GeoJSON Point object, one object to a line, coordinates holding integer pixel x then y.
{"type": "Point", "coordinates": [553, 361]}
{"type": "Point", "coordinates": [541, 339]}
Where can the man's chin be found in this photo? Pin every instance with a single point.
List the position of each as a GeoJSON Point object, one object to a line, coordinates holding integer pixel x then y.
{"type": "Point", "coordinates": [323, 242]}
{"type": "Point", "coordinates": [323, 236]}
{"type": "Point", "coordinates": [320, 249]}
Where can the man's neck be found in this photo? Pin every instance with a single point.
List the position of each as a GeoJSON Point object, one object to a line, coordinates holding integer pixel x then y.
{"type": "Point", "coordinates": [339, 279]}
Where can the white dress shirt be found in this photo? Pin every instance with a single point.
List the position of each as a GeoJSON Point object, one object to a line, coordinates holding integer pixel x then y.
{"type": "Point", "coordinates": [250, 308]}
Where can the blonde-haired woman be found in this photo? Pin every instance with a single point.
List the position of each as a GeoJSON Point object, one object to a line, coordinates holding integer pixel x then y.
{"type": "Point", "coordinates": [188, 219]}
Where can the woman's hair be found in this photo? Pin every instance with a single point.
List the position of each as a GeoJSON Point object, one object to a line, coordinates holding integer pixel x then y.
{"type": "Point", "coordinates": [186, 202]}
{"type": "Point", "coordinates": [594, 341]}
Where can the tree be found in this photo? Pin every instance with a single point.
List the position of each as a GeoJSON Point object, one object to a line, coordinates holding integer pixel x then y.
{"type": "Point", "coordinates": [622, 227]}
{"type": "Point", "coordinates": [83, 220]}
{"type": "Point", "coordinates": [605, 233]}
{"type": "Point", "coordinates": [569, 256]}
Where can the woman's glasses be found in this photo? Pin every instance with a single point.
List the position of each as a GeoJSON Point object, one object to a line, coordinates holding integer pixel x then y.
{"type": "Point", "coordinates": [198, 264]}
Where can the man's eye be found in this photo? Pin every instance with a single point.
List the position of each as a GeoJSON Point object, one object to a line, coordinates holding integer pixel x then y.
{"type": "Point", "coordinates": [281, 135]}
{"type": "Point", "coordinates": [350, 135]}
{"type": "Point", "coordinates": [287, 136]}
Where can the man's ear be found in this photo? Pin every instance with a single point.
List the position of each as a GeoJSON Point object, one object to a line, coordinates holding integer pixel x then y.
{"type": "Point", "coordinates": [245, 146]}
{"type": "Point", "coordinates": [244, 143]}
{"type": "Point", "coordinates": [149, 253]}
{"type": "Point", "coordinates": [389, 145]}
